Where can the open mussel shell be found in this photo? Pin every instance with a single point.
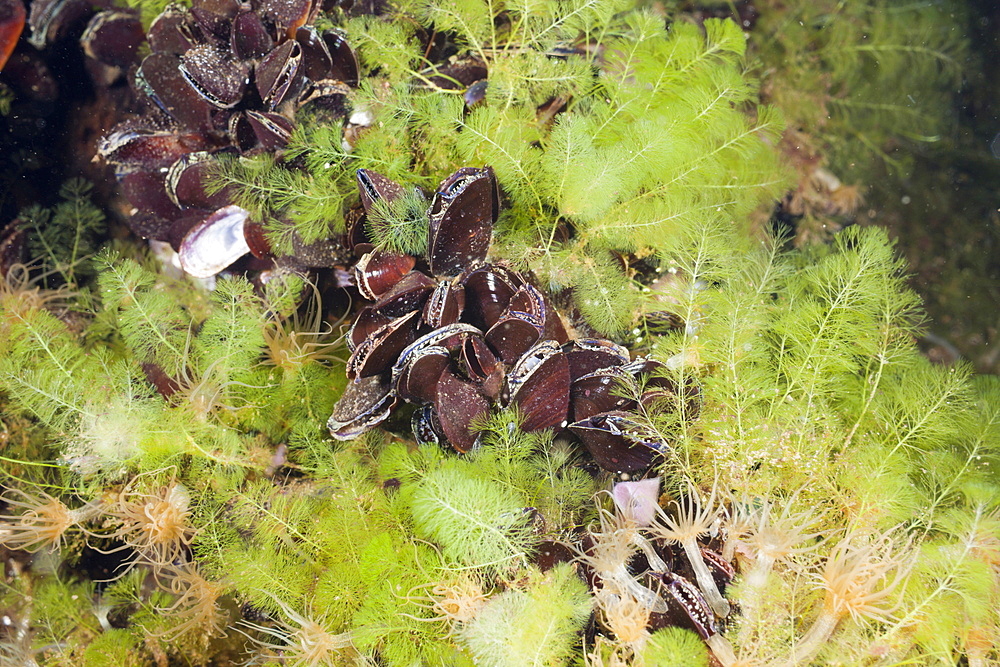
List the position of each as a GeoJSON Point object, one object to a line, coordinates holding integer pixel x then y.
{"type": "Point", "coordinates": [378, 271]}
{"type": "Point", "coordinates": [160, 78]}
{"type": "Point", "coordinates": [216, 75]}
{"type": "Point", "coordinates": [215, 243]}
{"type": "Point", "coordinates": [249, 39]}
{"type": "Point", "coordinates": [445, 305]}
{"type": "Point", "coordinates": [539, 386]}
{"type": "Point", "coordinates": [462, 215]}
{"type": "Point", "coordinates": [279, 74]}
{"type": "Point", "coordinates": [326, 94]}
{"type": "Point", "coordinates": [366, 322]}
{"type": "Point", "coordinates": [374, 187]}
{"type": "Point", "coordinates": [617, 442]}
{"type": "Point", "coordinates": [113, 38]}
{"type": "Point", "coordinates": [273, 131]}
{"type": "Point", "coordinates": [686, 606]}
{"type": "Point", "coordinates": [377, 352]}
{"type": "Point", "coordinates": [364, 404]}
{"type": "Point", "coordinates": [458, 403]}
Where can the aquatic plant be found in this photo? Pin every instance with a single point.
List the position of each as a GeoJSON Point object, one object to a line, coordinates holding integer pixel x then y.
{"type": "Point", "coordinates": [850, 484]}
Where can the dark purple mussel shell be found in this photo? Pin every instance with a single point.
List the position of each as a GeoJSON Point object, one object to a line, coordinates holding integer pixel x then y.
{"type": "Point", "coordinates": [462, 214]}
{"type": "Point", "coordinates": [514, 335]}
{"type": "Point", "coordinates": [131, 149]}
{"type": "Point", "coordinates": [113, 38]}
{"type": "Point", "coordinates": [488, 291]}
{"type": "Point", "coordinates": [256, 239]}
{"type": "Point", "coordinates": [160, 78]}
{"type": "Point", "coordinates": [374, 187]}
{"type": "Point", "coordinates": [476, 93]}
{"type": "Point", "coordinates": [617, 442]}
{"type": "Point", "coordinates": [249, 39]}
{"type": "Point", "coordinates": [539, 386]}
{"type": "Point", "coordinates": [426, 427]}
{"type": "Point", "coordinates": [174, 31]}
{"type": "Point", "coordinates": [186, 179]}
{"type": "Point", "coordinates": [215, 243]}
{"type": "Point", "coordinates": [279, 74]}
{"type": "Point", "coordinates": [686, 606]}
{"type": "Point", "coordinates": [316, 59]}
{"type": "Point", "coordinates": [587, 355]}
{"type": "Point", "coordinates": [326, 94]}
{"type": "Point", "coordinates": [451, 338]}
{"type": "Point", "coordinates": [457, 74]}
{"type": "Point", "coordinates": [600, 391]}
{"type": "Point", "coordinates": [377, 272]}
{"type": "Point", "coordinates": [478, 363]}
{"type": "Point", "coordinates": [445, 305]}
{"type": "Point", "coordinates": [344, 62]}
{"type": "Point", "coordinates": [51, 19]}
{"type": "Point", "coordinates": [458, 403]}
{"type": "Point", "coordinates": [417, 382]}
{"type": "Point", "coordinates": [366, 322]}
{"type": "Point", "coordinates": [215, 17]}
{"type": "Point", "coordinates": [286, 15]}
{"type": "Point", "coordinates": [410, 293]}
{"type": "Point", "coordinates": [216, 75]}
{"type": "Point", "coordinates": [364, 404]}
{"type": "Point", "coordinates": [521, 325]}
{"type": "Point", "coordinates": [272, 130]}
{"type": "Point", "coordinates": [377, 353]}
{"type": "Point", "coordinates": [146, 191]}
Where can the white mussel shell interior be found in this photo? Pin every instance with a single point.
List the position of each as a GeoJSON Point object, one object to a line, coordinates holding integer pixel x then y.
{"type": "Point", "coordinates": [216, 243]}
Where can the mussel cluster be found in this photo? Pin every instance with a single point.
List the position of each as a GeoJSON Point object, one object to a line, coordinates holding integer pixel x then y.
{"type": "Point", "coordinates": [456, 335]}
{"type": "Point", "coordinates": [223, 77]}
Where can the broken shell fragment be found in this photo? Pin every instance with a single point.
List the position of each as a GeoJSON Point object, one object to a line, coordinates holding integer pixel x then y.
{"type": "Point", "coordinates": [215, 243]}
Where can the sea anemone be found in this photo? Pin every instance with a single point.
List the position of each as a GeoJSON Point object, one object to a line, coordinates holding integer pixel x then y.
{"type": "Point", "coordinates": [859, 577]}
{"type": "Point", "coordinates": [693, 519]}
{"type": "Point", "coordinates": [155, 525]}
{"type": "Point", "coordinates": [43, 523]}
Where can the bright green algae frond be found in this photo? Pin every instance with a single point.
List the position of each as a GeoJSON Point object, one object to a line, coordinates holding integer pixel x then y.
{"type": "Point", "coordinates": [852, 482]}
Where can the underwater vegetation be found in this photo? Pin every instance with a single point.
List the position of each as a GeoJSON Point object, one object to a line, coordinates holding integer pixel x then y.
{"type": "Point", "coordinates": [658, 433]}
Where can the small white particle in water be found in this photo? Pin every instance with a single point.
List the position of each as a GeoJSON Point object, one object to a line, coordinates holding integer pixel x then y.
{"type": "Point", "coordinates": [563, 424]}
{"type": "Point", "coordinates": [906, 199]}
{"type": "Point", "coordinates": [6, 620]}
